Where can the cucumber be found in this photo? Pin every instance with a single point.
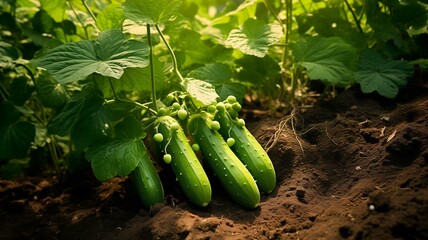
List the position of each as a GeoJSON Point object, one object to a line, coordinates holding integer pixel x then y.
{"type": "Point", "coordinates": [233, 175]}
{"type": "Point", "coordinates": [147, 182]}
{"type": "Point", "coordinates": [189, 172]}
{"type": "Point", "coordinates": [249, 151]}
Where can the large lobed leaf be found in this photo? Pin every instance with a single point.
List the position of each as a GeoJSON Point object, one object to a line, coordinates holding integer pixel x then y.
{"type": "Point", "coordinates": [219, 76]}
{"type": "Point", "coordinates": [15, 136]}
{"type": "Point", "coordinates": [109, 56]}
{"type": "Point", "coordinates": [254, 38]}
{"type": "Point", "coordinates": [151, 11]}
{"type": "Point", "coordinates": [134, 80]}
{"type": "Point", "coordinates": [203, 92]}
{"type": "Point", "coordinates": [118, 156]}
{"type": "Point", "coordinates": [330, 60]}
{"type": "Point", "coordinates": [377, 73]}
{"type": "Point", "coordinates": [111, 17]}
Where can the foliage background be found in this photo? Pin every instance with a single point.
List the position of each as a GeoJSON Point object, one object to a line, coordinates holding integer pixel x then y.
{"type": "Point", "coordinates": [266, 53]}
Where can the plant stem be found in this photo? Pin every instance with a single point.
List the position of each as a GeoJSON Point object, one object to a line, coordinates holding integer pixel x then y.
{"type": "Point", "coordinates": [54, 154]}
{"type": "Point", "coordinates": [288, 27]}
{"type": "Point", "coordinates": [42, 120]}
{"type": "Point", "coordinates": [152, 68]}
{"type": "Point", "coordinates": [354, 16]}
{"type": "Point", "coordinates": [174, 59]}
{"type": "Point", "coordinates": [274, 13]}
{"type": "Point", "coordinates": [112, 88]}
{"type": "Point", "coordinates": [3, 92]}
{"type": "Point", "coordinates": [363, 10]}
{"type": "Point", "coordinates": [78, 19]}
{"type": "Point", "coordinates": [145, 107]}
{"type": "Point", "coordinates": [89, 11]}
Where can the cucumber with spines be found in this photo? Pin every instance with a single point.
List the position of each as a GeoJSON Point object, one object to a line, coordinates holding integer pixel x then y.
{"type": "Point", "coordinates": [249, 151]}
{"type": "Point", "coordinates": [233, 175]}
{"type": "Point", "coordinates": [147, 182]}
{"type": "Point", "coordinates": [186, 166]}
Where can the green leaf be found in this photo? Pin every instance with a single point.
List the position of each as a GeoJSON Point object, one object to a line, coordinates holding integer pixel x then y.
{"type": "Point", "coordinates": [151, 11]}
{"type": "Point", "coordinates": [203, 92]}
{"type": "Point", "coordinates": [96, 124]}
{"type": "Point", "coordinates": [8, 55]}
{"type": "Point", "coordinates": [8, 113]}
{"type": "Point", "coordinates": [42, 22]}
{"type": "Point", "coordinates": [20, 90]}
{"type": "Point", "coordinates": [377, 73]}
{"type": "Point", "coordinates": [112, 17]}
{"type": "Point", "coordinates": [193, 49]}
{"type": "Point", "coordinates": [219, 76]}
{"type": "Point", "coordinates": [410, 14]}
{"type": "Point", "coordinates": [258, 71]}
{"type": "Point", "coordinates": [116, 157]}
{"type": "Point", "coordinates": [329, 22]}
{"type": "Point", "coordinates": [55, 8]}
{"type": "Point", "coordinates": [242, 13]}
{"type": "Point", "coordinates": [234, 89]}
{"type": "Point", "coordinates": [129, 128]}
{"type": "Point", "coordinates": [52, 94]}
{"type": "Point", "coordinates": [81, 105]}
{"type": "Point", "coordinates": [254, 38]}
{"type": "Point", "coordinates": [134, 80]}
{"type": "Point", "coordinates": [109, 56]}
{"type": "Point", "coordinates": [214, 73]}
{"type": "Point", "coordinates": [330, 60]}
{"type": "Point", "coordinates": [16, 139]}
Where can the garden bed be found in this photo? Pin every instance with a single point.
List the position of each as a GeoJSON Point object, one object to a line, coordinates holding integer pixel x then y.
{"type": "Point", "coordinates": [359, 172]}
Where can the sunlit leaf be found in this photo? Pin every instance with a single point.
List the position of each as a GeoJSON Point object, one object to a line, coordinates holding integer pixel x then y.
{"type": "Point", "coordinates": [219, 76]}
{"type": "Point", "coordinates": [55, 8]}
{"type": "Point", "coordinates": [242, 13]}
{"type": "Point", "coordinates": [111, 17]}
{"type": "Point", "coordinates": [201, 91]}
{"type": "Point", "coordinates": [109, 56]}
{"type": "Point", "coordinates": [330, 60]}
{"type": "Point", "coordinates": [151, 11]}
{"type": "Point", "coordinates": [134, 80]}
{"type": "Point", "coordinates": [377, 73]}
{"type": "Point", "coordinates": [254, 38]}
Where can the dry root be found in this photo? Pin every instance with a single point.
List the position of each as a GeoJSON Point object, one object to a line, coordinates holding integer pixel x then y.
{"type": "Point", "coordinates": [285, 124]}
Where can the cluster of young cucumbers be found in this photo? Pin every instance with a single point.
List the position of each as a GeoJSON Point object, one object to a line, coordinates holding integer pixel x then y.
{"type": "Point", "coordinates": [227, 148]}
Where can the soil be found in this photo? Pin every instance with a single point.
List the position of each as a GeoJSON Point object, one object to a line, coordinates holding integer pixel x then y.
{"type": "Point", "coordinates": [356, 168]}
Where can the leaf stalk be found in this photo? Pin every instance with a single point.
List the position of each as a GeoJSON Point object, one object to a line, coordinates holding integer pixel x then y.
{"type": "Point", "coordinates": [152, 69]}
{"type": "Point", "coordinates": [174, 59]}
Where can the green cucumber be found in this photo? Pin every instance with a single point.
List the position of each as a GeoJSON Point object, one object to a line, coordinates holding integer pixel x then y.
{"type": "Point", "coordinates": [233, 175]}
{"type": "Point", "coordinates": [249, 151]}
{"type": "Point", "coordinates": [189, 172]}
{"type": "Point", "coordinates": [147, 182]}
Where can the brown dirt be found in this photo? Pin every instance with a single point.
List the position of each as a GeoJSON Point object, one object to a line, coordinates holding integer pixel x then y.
{"type": "Point", "coordinates": [362, 174]}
